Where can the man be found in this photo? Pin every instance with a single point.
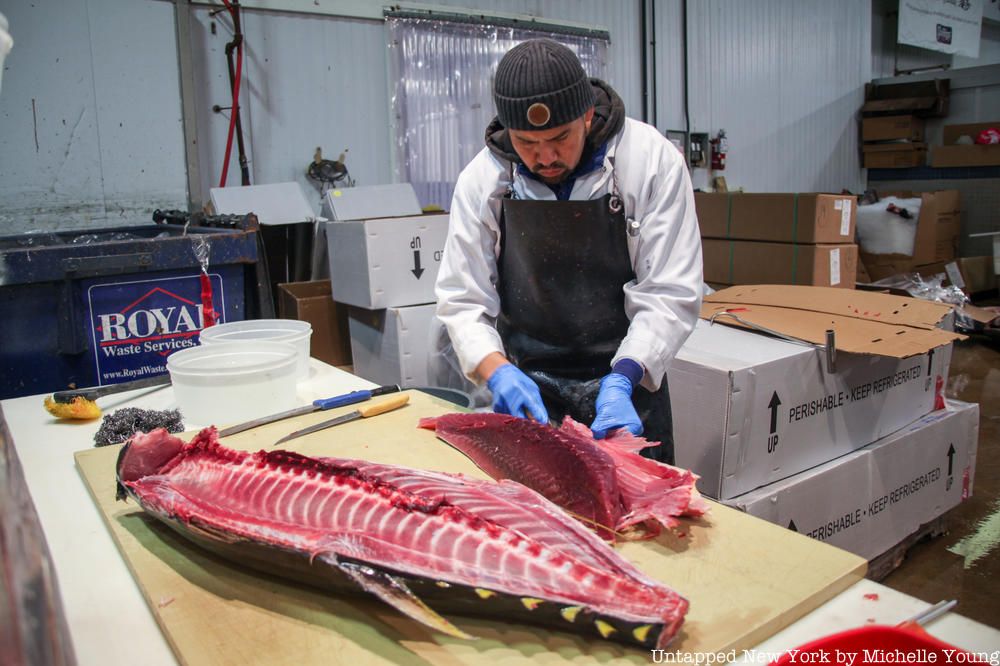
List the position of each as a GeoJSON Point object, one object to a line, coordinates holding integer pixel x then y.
{"type": "Point", "coordinates": [572, 272]}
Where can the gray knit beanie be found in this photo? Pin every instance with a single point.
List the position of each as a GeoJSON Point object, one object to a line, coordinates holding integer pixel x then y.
{"type": "Point", "coordinates": [540, 84]}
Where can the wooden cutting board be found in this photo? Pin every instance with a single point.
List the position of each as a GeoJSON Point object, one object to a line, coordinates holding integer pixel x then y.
{"type": "Point", "coordinates": [745, 578]}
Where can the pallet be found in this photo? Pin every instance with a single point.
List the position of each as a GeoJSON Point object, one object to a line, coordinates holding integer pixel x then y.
{"type": "Point", "coordinates": [882, 565]}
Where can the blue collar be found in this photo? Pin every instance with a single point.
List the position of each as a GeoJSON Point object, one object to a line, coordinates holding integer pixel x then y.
{"type": "Point", "coordinates": [565, 188]}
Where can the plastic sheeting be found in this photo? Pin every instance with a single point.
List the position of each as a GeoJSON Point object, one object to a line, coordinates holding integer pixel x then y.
{"type": "Point", "coordinates": [881, 231]}
{"type": "Point", "coordinates": [932, 288]}
{"type": "Point", "coordinates": [441, 73]}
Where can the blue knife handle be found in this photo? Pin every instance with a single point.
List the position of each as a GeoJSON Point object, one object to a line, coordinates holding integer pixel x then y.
{"type": "Point", "coordinates": [341, 400]}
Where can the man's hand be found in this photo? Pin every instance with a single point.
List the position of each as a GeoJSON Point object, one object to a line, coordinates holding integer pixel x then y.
{"type": "Point", "coordinates": [514, 393]}
{"type": "Point", "coordinates": [614, 407]}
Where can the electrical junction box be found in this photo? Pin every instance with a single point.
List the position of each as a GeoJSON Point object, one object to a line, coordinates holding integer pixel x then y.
{"type": "Point", "coordinates": [698, 150]}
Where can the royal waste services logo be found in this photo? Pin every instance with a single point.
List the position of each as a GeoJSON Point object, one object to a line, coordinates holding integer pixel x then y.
{"type": "Point", "coordinates": [136, 325]}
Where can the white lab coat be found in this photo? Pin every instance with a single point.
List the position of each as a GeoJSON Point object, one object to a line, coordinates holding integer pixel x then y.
{"type": "Point", "coordinates": [662, 303]}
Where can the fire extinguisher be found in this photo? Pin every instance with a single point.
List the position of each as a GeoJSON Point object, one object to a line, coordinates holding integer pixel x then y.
{"type": "Point", "coordinates": [719, 147]}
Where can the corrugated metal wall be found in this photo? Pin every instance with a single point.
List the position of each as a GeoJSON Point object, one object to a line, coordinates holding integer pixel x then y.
{"type": "Point", "coordinates": [322, 81]}
{"type": "Point", "coordinates": [90, 124]}
{"type": "Point", "coordinates": [784, 79]}
{"type": "Point", "coordinates": [309, 81]}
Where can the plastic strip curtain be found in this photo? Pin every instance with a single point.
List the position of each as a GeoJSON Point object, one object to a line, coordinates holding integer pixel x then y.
{"type": "Point", "coordinates": [442, 74]}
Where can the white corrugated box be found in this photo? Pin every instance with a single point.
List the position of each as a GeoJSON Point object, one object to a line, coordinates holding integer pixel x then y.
{"type": "Point", "coordinates": [273, 204]}
{"type": "Point", "coordinates": [371, 201]}
{"type": "Point", "coordinates": [386, 262]}
{"type": "Point", "coordinates": [872, 499]}
{"type": "Point", "coordinates": [749, 409]}
{"type": "Point", "coordinates": [391, 346]}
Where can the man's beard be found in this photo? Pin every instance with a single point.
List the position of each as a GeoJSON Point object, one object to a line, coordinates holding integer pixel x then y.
{"type": "Point", "coordinates": [551, 180]}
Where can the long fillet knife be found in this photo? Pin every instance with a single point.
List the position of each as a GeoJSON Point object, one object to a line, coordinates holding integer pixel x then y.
{"type": "Point", "coordinates": [373, 409]}
{"type": "Point", "coordinates": [95, 392]}
{"type": "Point", "coordinates": [316, 406]}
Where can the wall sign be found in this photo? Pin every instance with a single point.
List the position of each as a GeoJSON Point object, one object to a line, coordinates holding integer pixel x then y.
{"type": "Point", "coordinates": [949, 26]}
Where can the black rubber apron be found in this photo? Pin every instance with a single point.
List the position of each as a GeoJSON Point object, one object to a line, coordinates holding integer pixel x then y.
{"type": "Point", "coordinates": [561, 271]}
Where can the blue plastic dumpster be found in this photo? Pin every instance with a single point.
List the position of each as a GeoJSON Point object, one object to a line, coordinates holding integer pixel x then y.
{"type": "Point", "coordinates": [96, 307]}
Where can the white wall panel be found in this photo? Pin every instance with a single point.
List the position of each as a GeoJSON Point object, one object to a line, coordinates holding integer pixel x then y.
{"type": "Point", "coordinates": [90, 128]}
{"type": "Point", "coordinates": [784, 79]}
{"type": "Point", "coordinates": [667, 69]}
{"type": "Point", "coordinates": [316, 80]}
{"type": "Point", "coordinates": [308, 81]}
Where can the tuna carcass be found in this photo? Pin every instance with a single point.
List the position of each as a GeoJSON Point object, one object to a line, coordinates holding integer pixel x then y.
{"type": "Point", "coordinates": [424, 542]}
{"type": "Point", "coordinates": [603, 482]}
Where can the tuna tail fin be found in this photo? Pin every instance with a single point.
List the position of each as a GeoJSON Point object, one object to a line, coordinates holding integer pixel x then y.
{"type": "Point", "coordinates": [394, 592]}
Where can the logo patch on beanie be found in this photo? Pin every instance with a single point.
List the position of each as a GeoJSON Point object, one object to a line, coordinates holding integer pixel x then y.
{"type": "Point", "coordinates": [538, 114]}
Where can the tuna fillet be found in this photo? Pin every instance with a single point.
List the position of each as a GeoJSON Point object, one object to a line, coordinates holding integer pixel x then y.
{"type": "Point", "coordinates": [605, 483]}
{"type": "Point", "coordinates": [424, 542]}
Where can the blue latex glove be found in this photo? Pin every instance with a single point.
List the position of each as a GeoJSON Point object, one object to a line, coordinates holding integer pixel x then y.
{"type": "Point", "coordinates": [614, 407]}
{"type": "Point", "coordinates": [514, 393]}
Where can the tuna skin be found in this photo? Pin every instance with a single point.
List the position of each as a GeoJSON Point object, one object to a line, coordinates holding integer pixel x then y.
{"type": "Point", "coordinates": [393, 530]}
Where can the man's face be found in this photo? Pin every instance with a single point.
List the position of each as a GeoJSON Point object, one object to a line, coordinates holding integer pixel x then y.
{"type": "Point", "coordinates": [552, 154]}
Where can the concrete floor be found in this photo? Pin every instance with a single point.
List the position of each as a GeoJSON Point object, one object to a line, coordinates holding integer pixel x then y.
{"type": "Point", "coordinates": [931, 570]}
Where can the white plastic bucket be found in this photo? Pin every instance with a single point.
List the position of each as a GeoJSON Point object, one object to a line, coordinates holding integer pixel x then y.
{"type": "Point", "coordinates": [235, 382]}
{"type": "Point", "coordinates": [295, 332]}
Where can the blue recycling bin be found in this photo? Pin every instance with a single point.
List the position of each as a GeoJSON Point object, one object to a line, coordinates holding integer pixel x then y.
{"type": "Point", "coordinates": [96, 307]}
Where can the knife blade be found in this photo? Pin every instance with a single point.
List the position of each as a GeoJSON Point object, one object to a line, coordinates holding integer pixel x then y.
{"type": "Point", "coordinates": [316, 406]}
{"type": "Point", "coordinates": [95, 392]}
{"type": "Point", "coordinates": [367, 411]}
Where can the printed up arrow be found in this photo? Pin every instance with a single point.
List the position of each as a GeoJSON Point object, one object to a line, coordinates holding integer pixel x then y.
{"type": "Point", "coordinates": [417, 270]}
{"type": "Point", "coordinates": [951, 457]}
{"type": "Point", "coordinates": [792, 527]}
{"type": "Point", "coordinates": [773, 406]}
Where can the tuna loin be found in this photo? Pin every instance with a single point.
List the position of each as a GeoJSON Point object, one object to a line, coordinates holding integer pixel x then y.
{"type": "Point", "coordinates": [423, 542]}
{"type": "Point", "coordinates": [603, 482]}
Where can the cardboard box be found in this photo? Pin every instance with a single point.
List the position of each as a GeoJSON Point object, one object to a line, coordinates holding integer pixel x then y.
{"type": "Point", "coordinates": [952, 154]}
{"type": "Point", "coordinates": [938, 228]}
{"type": "Point", "coordinates": [750, 410]}
{"type": "Point", "coordinates": [386, 262]}
{"type": "Point", "coordinates": [862, 276]}
{"type": "Point", "coordinates": [392, 346]}
{"type": "Point", "coordinates": [881, 266]}
{"type": "Point", "coordinates": [965, 156]}
{"type": "Point", "coordinates": [887, 128]}
{"type": "Point", "coordinates": [977, 274]}
{"type": "Point", "coordinates": [790, 218]}
{"type": "Point", "coordinates": [313, 302]}
{"type": "Point", "coordinates": [994, 237]}
{"type": "Point", "coordinates": [870, 500]}
{"type": "Point", "coordinates": [970, 274]}
{"type": "Point", "coordinates": [751, 262]}
{"type": "Point", "coordinates": [927, 99]}
{"type": "Point", "coordinates": [860, 323]}
{"type": "Point", "coordinates": [899, 155]}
